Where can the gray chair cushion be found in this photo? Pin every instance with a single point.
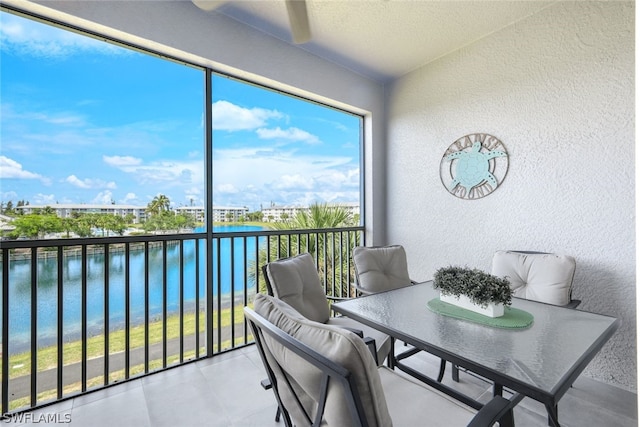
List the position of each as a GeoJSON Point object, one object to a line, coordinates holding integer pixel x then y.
{"type": "Point", "coordinates": [540, 277]}
{"type": "Point", "coordinates": [337, 344]}
{"type": "Point", "coordinates": [295, 281]}
{"type": "Point", "coordinates": [381, 268]}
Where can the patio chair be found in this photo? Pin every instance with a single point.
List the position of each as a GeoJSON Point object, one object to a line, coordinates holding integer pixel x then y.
{"type": "Point", "coordinates": [295, 280]}
{"type": "Point", "coordinates": [538, 276]}
{"type": "Point", "coordinates": [323, 375]}
{"type": "Point", "coordinates": [383, 268]}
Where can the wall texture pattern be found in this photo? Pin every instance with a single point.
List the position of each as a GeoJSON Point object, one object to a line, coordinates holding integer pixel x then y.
{"type": "Point", "coordinates": [558, 89]}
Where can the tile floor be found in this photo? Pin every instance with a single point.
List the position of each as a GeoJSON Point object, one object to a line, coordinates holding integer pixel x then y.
{"type": "Point", "coordinates": [225, 391]}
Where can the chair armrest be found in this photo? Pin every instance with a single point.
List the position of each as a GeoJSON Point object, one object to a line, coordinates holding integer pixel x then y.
{"type": "Point", "coordinates": [498, 410]}
{"type": "Point", "coordinates": [574, 303]}
{"type": "Point", "coordinates": [336, 299]}
{"type": "Point", "coordinates": [358, 332]}
{"type": "Point", "coordinates": [371, 343]}
{"type": "Point", "coordinates": [365, 292]}
{"type": "Point", "coordinates": [360, 291]}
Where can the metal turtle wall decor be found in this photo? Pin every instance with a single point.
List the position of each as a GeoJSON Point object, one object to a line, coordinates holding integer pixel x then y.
{"type": "Point", "coordinates": [474, 166]}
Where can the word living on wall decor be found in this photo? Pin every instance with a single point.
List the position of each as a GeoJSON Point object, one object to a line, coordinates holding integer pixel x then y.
{"type": "Point", "coordinates": [474, 166]}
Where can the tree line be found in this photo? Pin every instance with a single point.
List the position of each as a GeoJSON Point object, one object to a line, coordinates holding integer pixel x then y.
{"type": "Point", "coordinates": [45, 221]}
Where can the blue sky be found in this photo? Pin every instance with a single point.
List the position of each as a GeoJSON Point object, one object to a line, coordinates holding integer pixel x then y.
{"type": "Point", "coordinates": [83, 121]}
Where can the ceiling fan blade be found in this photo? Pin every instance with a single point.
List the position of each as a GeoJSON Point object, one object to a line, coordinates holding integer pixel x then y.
{"type": "Point", "coordinates": [298, 21]}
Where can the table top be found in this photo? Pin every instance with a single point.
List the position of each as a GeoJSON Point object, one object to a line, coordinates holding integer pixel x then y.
{"type": "Point", "coordinates": [544, 358]}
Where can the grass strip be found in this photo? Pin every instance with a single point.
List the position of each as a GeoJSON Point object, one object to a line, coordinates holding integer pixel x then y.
{"type": "Point", "coordinates": [47, 358]}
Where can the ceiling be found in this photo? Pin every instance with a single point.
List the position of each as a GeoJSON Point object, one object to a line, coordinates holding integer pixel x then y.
{"type": "Point", "coordinates": [382, 39]}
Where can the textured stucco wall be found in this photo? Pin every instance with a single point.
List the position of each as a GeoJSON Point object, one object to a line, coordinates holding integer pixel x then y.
{"type": "Point", "coordinates": [558, 89]}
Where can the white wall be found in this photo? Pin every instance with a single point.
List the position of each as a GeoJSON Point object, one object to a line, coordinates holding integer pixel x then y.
{"type": "Point", "coordinates": [181, 29]}
{"type": "Point", "coordinates": [558, 90]}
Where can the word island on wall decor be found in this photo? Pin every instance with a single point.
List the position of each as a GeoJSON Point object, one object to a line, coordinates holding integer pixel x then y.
{"type": "Point", "coordinates": [474, 166]}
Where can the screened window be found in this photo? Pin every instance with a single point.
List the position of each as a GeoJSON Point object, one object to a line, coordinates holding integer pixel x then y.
{"type": "Point", "coordinates": [89, 127]}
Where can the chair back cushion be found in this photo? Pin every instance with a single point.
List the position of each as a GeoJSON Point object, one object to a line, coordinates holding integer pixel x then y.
{"type": "Point", "coordinates": [338, 345]}
{"type": "Point", "coordinates": [381, 268]}
{"type": "Point", "coordinates": [295, 281]}
{"type": "Point", "coordinates": [538, 276]}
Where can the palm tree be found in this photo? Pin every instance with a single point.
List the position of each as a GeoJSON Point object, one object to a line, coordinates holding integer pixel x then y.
{"type": "Point", "coordinates": [330, 249]}
{"type": "Point", "coordinates": [159, 204]}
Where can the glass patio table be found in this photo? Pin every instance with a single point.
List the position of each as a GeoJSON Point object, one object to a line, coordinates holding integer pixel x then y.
{"type": "Point", "coordinates": [541, 361]}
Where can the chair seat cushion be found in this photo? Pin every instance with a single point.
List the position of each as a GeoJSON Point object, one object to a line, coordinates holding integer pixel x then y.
{"type": "Point", "coordinates": [400, 388]}
{"type": "Point", "coordinates": [539, 277]}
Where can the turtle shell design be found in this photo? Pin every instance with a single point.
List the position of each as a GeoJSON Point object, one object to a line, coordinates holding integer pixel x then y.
{"type": "Point", "coordinates": [473, 167]}
{"type": "Point", "coordinates": [468, 172]}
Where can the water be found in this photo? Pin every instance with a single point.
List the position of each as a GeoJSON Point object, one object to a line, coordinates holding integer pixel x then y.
{"type": "Point", "coordinates": [47, 298]}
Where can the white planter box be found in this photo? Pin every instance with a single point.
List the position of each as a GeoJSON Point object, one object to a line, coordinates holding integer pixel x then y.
{"type": "Point", "coordinates": [492, 310]}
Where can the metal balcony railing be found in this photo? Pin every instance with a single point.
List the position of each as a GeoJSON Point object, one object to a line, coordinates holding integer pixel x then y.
{"type": "Point", "coordinates": [83, 314]}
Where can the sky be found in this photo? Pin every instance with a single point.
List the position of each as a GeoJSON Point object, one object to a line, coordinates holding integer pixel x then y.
{"type": "Point", "coordinates": [83, 121]}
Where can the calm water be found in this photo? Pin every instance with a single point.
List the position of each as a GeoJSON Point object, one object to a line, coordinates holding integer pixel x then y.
{"type": "Point", "coordinates": [20, 289]}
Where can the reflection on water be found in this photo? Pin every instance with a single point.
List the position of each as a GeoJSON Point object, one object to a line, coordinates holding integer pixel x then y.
{"type": "Point", "coordinates": [72, 274]}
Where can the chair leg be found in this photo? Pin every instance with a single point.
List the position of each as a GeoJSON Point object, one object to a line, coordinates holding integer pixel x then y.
{"type": "Point", "coordinates": [391, 358]}
{"type": "Point", "coordinates": [455, 373]}
{"type": "Point", "coordinates": [266, 384]}
{"type": "Point", "coordinates": [443, 365]}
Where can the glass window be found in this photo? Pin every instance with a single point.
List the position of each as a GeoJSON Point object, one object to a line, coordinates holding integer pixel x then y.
{"type": "Point", "coordinates": [87, 125]}
{"type": "Point", "coordinates": [279, 154]}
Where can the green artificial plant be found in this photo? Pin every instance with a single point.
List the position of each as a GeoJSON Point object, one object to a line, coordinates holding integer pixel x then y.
{"type": "Point", "coordinates": [480, 287]}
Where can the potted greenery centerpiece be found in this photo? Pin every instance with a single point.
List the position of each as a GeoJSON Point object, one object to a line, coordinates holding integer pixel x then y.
{"type": "Point", "coordinates": [473, 289]}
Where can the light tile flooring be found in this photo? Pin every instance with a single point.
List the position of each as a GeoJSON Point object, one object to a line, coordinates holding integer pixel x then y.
{"type": "Point", "coordinates": [226, 391]}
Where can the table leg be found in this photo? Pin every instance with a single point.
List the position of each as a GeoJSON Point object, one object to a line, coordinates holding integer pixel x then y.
{"type": "Point", "coordinates": [497, 389]}
{"type": "Point", "coordinates": [552, 411]}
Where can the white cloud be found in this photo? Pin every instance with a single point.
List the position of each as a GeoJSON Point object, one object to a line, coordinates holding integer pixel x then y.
{"type": "Point", "coordinates": [9, 168]}
{"type": "Point", "coordinates": [193, 196]}
{"type": "Point", "coordinates": [165, 172]}
{"type": "Point", "coordinates": [32, 38]}
{"type": "Point", "coordinates": [231, 117]}
{"type": "Point", "coordinates": [90, 183]}
{"type": "Point", "coordinates": [263, 175]}
{"type": "Point", "coordinates": [339, 179]}
{"type": "Point", "coordinates": [129, 198]}
{"type": "Point", "coordinates": [44, 199]}
{"type": "Point", "coordinates": [8, 195]}
{"type": "Point", "coordinates": [226, 189]}
{"type": "Point", "coordinates": [121, 161]}
{"type": "Point", "coordinates": [290, 134]}
{"type": "Point", "coordinates": [103, 198]}
{"type": "Point", "coordinates": [288, 182]}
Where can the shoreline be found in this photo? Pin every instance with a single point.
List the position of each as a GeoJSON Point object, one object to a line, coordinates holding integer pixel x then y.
{"type": "Point", "coordinates": [21, 344]}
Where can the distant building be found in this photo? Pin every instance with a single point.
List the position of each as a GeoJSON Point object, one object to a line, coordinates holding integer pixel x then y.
{"type": "Point", "coordinates": [195, 212]}
{"type": "Point", "coordinates": [282, 213]}
{"type": "Point", "coordinates": [219, 213]}
{"type": "Point", "coordinates": [65, 210]}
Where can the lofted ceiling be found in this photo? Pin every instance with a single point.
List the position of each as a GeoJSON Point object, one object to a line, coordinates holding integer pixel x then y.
{"type": "Point", "coordinates": [381, 39]}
